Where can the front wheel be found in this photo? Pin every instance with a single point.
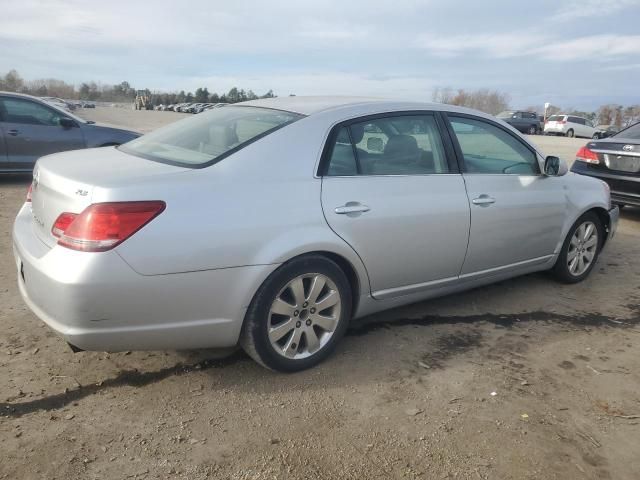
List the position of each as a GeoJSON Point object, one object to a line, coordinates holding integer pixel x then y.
{"type": "Point", "coordinates": [580, 249]}
{"type": "Point", "coordinates": [596, 136]}
{"type": "Point", "coordinates": [298, 314]}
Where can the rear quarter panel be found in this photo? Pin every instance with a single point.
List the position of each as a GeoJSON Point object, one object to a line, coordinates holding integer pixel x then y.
{"type": "Point", "coordinates": [260, 206]}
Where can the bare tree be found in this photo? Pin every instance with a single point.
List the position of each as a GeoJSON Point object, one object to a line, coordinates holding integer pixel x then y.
{"type": "Point", "coordinates": [489, 101]}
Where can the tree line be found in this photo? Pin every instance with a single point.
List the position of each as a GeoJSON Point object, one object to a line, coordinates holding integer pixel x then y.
{"type": "Point", "coordinates": [485, 100]}
{"type": "Point", "coordinates": [494, 102]}
{"type": "Point", "coordinates": [122, 92]}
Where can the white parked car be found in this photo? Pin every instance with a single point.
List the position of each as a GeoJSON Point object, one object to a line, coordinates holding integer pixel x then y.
{"type": "Point", "coordinates": [570, 126]}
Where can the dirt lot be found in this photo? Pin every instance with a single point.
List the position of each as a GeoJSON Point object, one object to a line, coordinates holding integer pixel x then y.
{"type": "Point", "coordinates": [409, 393]}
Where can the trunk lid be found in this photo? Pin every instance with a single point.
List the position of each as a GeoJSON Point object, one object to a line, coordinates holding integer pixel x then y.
{"type": "Point", "coordinates": [617, 155]}
{"type": "Point", "coordinates": [65, 182]}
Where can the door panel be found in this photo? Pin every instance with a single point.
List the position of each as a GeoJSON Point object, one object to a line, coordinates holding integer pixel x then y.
{"type": "Point", "coordinates": [516, 213]}
{"type": "Point", "coordinates": [415, 230]}
{"type": "Point", "coordinates": [32, 130]}
{"type": "Point", "coordinates": [27, 143]}
{"type": "Point", "coordinates": [3, 150]}
{"type": "Point", "coordinates": [524, 222]}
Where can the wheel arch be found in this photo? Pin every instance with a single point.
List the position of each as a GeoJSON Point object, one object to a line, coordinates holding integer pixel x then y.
{"type": "Point", "coordinates": [603, 215]}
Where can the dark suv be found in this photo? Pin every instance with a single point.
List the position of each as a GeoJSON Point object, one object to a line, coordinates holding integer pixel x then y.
{"type": "Point", "coordinates": [526, 122]}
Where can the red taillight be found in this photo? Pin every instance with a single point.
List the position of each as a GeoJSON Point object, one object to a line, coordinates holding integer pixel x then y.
{"type": "Point", "coordinates": [102, 226]}
{"type": "Point", "coordinates": [562, 121]}
{"type": "Point", "coordinates": [586, 155]}
{"type": "Point", "coordinates": [62, 223]}
{"type": "Point", "coordinates": [29, 193]}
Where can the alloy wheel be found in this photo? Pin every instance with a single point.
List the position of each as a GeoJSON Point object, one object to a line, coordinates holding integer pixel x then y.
{"type": "Point", "coordinates": [582, 248]}
{"type": "Point", "coordinates": [304, 316]}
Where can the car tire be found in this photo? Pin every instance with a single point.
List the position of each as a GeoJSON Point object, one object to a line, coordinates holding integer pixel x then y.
{"type": "Point", "coordinates": [596, 136]}
{"type": "Point", "coordinates": [583, 243]}
{"type": "Point", "coordinates": [532, 130]}
{"type": "Point", "coordinates": [570, 133]}
{"type": "Point", "coordinates": [285, 327]}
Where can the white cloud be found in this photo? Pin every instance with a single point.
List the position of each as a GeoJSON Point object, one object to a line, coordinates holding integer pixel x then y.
{"type": "Point", "coordinates": [578, 9]}
{"type": "Point", "coordinates": [531, 44]}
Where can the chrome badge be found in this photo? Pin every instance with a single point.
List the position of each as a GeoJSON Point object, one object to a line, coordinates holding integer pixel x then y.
{"type": "Point", "coordinates": [627, 148]}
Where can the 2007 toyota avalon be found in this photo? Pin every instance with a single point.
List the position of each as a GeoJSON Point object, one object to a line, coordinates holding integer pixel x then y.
{"type": "Point", "coordinates": [273, 223]}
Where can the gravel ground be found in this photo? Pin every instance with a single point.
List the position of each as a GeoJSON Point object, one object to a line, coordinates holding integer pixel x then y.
{"type": "Point", "coordinates": [525, 379]}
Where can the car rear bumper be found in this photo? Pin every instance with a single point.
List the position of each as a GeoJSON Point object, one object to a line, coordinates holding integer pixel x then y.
{"type": "Point", "coordinates": [555, 130]}
{"type": "Point", "coordinates": [625, 189]}
{"type": "Point", "coordinates": [96, 301]}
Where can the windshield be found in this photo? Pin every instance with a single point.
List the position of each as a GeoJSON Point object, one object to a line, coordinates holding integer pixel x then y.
{"type": "Point", "coordinates": [506, 114]}
{"type": "Point", "coordinates": [632, 132]}
{"type": "Point", "coordinates": [210, 136]}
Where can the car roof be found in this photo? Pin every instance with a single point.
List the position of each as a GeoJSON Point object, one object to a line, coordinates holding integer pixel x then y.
{"type": "Point", "coordinates": [310, 105]}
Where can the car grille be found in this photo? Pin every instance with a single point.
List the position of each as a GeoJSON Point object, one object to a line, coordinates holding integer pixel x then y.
{"type": "Point", "coordinates": [622, 163]}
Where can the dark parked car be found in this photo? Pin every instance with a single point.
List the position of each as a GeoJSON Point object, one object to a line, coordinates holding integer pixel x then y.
{"type": "Point", "coordinates": [605, 131]}
{"type": "Point", "coordinates": [616, 160]}
{"type": "Point", "coordinates": [31, 128]}
{"type": "Point", "coordinates": [525, 122]}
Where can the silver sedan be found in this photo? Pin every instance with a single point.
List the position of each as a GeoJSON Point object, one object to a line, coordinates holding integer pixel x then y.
{"type": "Point", "coordinates": [272, 223]}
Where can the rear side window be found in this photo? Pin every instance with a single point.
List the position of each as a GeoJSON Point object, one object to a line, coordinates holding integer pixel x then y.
{"type": "Point", "coordinates": [398, 145]}
{"type": "Point", "coordinates": [210, 136]}
{"type": "Point", "coordinates": [343, 160]}
{"type": "Point", "coordinates": [578, 120]}
{"type": "Point", "coordinates": [487, 149]}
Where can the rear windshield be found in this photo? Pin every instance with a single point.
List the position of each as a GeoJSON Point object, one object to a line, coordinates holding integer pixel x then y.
{"type": "Point", "coordinates": [210, 136]}
{"type": "Point", "coordinates": [633, 132]}
{"type": "Point", "coordinates": [507, 114]}
{"type": "Point", "coordinates": [556, 118]}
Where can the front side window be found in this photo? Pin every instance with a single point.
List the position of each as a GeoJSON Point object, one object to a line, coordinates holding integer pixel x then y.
{"type": "Point", "coordinates": [207, 137]}
{"type": "Point", "coordinates": [399, 145]}
{"type": "Point", "coordinates": [15, 110]}
{"type": "Point", "coordinates": [487, 149]}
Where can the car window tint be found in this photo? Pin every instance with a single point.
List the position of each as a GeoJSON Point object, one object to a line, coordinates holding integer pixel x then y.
{"type": "Point", "coordinates": [343, 160]}
{"type": "Point", "coordinates": [488, 149]}
{"type": "Point", "coordinates": [399, 145]}
{"type": "Point", "coordinates": [27, 112]}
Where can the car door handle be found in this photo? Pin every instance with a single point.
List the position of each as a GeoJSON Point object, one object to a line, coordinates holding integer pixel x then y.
{"type": "Point", "coordinates": [483, 200]}
{"type": "Point", "coordinates": [13, 132]}
{"type": "Point", "coordinates": [351, 207]}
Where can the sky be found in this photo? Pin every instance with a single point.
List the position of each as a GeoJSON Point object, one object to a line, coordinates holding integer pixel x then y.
{"type": "Point", "coordinates": [572, 53]}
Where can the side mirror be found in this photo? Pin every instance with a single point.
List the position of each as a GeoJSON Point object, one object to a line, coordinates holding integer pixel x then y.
{"type": "Point", "coordinates": [374, 144]}
{"type": "Point", "coordinates": [67, 123]}
{"type": "Point", "coordinates": [555, 167]}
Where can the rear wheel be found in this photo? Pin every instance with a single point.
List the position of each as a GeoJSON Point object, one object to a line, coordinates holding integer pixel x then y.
{"type": "Point", "coordinates": [580, 249]}
{"type": "Point", "coordinates": [570, 133]}
{"type": "Point", "coordinates": [298, 315]}
{"type": "Point", "coordinates": [532, 130]}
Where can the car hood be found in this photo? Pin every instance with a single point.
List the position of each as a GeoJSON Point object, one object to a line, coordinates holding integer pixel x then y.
{"type": "Point", "coordinates": [102, 128]}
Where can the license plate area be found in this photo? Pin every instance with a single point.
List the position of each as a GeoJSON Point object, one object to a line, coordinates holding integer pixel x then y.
{"type": "Point", "coordinates": [622, 163]}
